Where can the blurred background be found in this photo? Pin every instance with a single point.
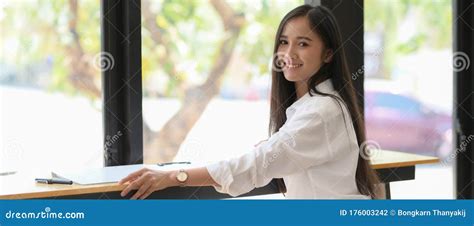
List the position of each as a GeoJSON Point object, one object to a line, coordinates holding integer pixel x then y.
{"type": "Point", "coordinates": [206, 80]}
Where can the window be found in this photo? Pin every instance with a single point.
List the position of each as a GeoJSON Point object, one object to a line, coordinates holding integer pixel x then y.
{"type": "Point", "coordinates": [408, 88]}
{"type": "Point", "coordinates": [199, 60]}
{"type": "Point", "coordinates": [206, 77]}
{"type": "Point", "coordinates": [50, 85]}
{"type": "Point", "coordinates": [394, 102]}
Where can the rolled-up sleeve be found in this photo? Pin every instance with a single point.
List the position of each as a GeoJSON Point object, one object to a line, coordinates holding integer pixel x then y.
{"type": "Point", "coordinates": [299, 144]}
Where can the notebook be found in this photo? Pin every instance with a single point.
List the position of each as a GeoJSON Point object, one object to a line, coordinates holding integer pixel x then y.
{"type": "Point", "coordinates": [111, 174]}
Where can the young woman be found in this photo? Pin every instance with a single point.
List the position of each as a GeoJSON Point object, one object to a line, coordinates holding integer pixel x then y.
{"type": "Point", "coordinates": [317, 130]}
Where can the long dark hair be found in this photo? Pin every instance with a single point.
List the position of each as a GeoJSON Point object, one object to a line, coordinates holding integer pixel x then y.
{"type": "Point", "coordinates": [283, 92]}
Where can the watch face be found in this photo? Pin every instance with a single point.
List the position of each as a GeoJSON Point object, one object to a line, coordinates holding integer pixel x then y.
{"type": "Point", "coordinates": [182, 176]}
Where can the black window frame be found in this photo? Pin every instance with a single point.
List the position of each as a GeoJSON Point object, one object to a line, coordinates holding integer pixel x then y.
{"type": "Point", "coordinates": [463, 107]}
{"type": "Point", "coordinates": [121, 84]}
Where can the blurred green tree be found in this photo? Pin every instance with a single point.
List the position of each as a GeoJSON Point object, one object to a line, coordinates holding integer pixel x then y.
{"type": "Point", "coordinates": [432, 19]}
{"type": "Point", "coordinates": [175, 34]}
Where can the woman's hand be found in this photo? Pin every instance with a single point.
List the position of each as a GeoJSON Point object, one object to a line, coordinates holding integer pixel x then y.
{"type": "Point", "coordinates": [146, 181]}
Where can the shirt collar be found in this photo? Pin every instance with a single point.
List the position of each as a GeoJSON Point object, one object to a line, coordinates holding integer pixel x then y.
{"type": "Point", "coordinates": [324, 87]}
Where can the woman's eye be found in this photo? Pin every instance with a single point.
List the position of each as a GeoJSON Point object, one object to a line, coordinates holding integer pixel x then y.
{"type": "Point", "coordinates": [303, 44]}
{"type": "Point", "coordinates": [282, 42]}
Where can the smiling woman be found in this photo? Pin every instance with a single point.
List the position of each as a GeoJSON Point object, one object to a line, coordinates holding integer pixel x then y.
{"type": "Point", "coordinates": [303, 53]}
{"type": "Point", "coordinates": [316, 129]}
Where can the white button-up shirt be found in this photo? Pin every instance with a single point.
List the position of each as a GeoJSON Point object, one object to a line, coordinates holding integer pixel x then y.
{"type": "Point", "coordinates": [315, 152]}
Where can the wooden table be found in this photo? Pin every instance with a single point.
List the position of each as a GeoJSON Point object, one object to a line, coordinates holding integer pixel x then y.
{"type": "Point", "coordinates": [394, 166]}
{"type": "Point", "coordinates": [391, 166]}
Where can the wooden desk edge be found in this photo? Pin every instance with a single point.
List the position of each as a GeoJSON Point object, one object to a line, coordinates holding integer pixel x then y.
{"type": "Point", "coordinates": [404, 164]}
{"type": "Point", "coordinates": [74, 191]}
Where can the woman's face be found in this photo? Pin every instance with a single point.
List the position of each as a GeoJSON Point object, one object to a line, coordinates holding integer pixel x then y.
{"type": "Point", "coordinates": [302, 50]}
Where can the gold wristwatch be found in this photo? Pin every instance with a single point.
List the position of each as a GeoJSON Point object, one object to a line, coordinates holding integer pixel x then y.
{"type": "Point", "coordinates": [182, 177]}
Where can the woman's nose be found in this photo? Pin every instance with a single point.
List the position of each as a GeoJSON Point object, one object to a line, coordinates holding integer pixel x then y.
{"type": "Point", "coordinates": [290, 53]}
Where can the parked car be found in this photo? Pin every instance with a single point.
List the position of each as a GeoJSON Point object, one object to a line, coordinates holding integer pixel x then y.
{"type": "Point", "coordinates": [403, 123]}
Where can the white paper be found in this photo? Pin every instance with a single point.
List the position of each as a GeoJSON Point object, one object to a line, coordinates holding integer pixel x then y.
{"type": "Point", "coordinates": [111, 174]}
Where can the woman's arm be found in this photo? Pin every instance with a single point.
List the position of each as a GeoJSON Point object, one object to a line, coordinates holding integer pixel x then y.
{"type": "Point", "coordinates": [147, 181]}
{"type": "Point", "coordinates": [197, 177]}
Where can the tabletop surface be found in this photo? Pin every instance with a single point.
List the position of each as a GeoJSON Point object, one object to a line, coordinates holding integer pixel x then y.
{"type": "Point", "coordinates": [22, 185]}
{"type": "Point", "coordinates": [392, 159]}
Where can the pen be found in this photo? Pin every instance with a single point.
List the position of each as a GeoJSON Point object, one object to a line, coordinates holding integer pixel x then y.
{"type": "Point", "coordinates": [171, 163]}
{"type": "Point", "coordinates": [52, 181]}
{"type": "Point", "coordinates": [7, 173]}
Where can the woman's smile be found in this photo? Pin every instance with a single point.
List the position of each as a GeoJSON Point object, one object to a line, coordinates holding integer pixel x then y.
{"type": "Point", "coordinates": [293, 66]}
